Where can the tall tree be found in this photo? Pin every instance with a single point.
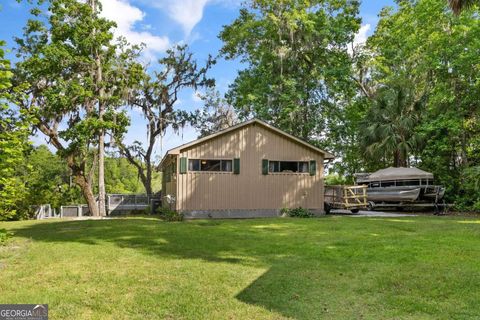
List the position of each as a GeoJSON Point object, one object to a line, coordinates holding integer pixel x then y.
{"type": "Point", "coordinates": [14, 132]}
{"type": "Point", "coordinates": [217, 114]}
{"type": "Point", "coordinates": [156, 98]}
{"type": "Point", "coordinates": [98, 56]}
{"type": "Point", "coordinates": [298, 65]}
{"type": "Point", "coordinates": [437, 65]}
{"type": "Point", "coordinates": [61, 85]}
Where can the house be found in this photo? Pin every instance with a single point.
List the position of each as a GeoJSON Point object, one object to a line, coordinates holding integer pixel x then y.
{"type": "Point", "coordinates": [249, 170]}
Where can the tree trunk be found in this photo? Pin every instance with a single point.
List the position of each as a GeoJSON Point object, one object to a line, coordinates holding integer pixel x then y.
{"type": "Point", "coordinates": [148, 179]}
{"type": "Point", "coordinates": [101, 135]}
{"type": "Point", "coordinates": [399, 159]}
{"type": "Point", "coordinates": [86, 189]}
{"type": "Point", "coordinates": [148, 163]}
{"type": "Point", "coordinates": [78, 169]}
{"type": "Point", "coordinates": [82, 181]}
{"type": "Point", "coordinates": [101, 172]}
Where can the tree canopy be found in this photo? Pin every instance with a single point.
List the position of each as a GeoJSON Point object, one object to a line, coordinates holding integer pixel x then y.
{"type": "Point", "coordinates": [71, 77]}
{"type": "Point", "coordinates": [298, 63]}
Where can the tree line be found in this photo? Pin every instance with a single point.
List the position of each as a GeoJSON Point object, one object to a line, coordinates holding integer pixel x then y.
{"type": "Point", "coordinates": [406, 97]}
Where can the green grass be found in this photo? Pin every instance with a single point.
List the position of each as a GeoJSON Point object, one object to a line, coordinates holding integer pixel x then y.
{"type": "Point", "coordinates": [331, 268]}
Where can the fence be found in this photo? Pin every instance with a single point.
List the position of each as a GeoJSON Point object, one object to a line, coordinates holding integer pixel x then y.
{"type": "Point", "coordinates": [129, 202]}
{"type": "Point", "coordinates": [74, 211]}
{"type": "Point", "coordinates": [44, 211]}
{"type": "Point", "coordinates": [116, 204]}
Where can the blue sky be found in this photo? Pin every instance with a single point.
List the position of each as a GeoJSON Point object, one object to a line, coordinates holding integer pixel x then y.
{"type": "Point", "coordinates": [162, 23]}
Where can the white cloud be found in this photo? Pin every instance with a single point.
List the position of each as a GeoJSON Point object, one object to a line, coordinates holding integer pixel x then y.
{"type": "Point", "coordinates": [360, 38]}
{"type": "Point", "coordinates": [187, 13]}
{"type": "Point", "coordinates": [362, 34]}
{"type": "Point", "coordinates": [126, 16]}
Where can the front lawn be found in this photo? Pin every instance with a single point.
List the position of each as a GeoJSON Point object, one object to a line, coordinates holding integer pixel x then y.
{"type": "Point", "coordinates": [333, 267]}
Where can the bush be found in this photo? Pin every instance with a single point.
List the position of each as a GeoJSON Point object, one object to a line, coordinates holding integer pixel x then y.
{"type": "Point", "coordinates": [169, 215]}
{"type": "Point", "coordinates": [4, 235]}
{"type": "Point", "coordinates": [285, 212]}
{"type": "Point", "coordinates": [467, 195]}
{"type": "Point", "coordinates": [297, 212]}
{"type": "Point", "coordinates": [335, 179]}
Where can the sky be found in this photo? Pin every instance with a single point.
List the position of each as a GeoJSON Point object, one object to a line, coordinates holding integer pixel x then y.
{"type": "Point", "coordinates": [162, 23]}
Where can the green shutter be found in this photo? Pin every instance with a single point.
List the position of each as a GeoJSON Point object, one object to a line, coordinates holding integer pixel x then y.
{"type": "Point", "coordinates": [236, 166]}
{"type": "Point", "coordinates": [313, 167]}
{"type": "Point", "coordinates": [264, 166]}
{"type": "Point", "coordinates": [183, 165]}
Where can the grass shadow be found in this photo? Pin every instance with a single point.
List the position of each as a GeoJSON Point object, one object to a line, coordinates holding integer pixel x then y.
{"type": "Point", "coordinates": [315, 268]}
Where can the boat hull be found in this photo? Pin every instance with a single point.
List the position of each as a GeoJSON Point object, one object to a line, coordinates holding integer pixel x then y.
{"type": "Point", "coordinates": [434, 193]}
{"type": "Point", "coordinates": [393, 194]}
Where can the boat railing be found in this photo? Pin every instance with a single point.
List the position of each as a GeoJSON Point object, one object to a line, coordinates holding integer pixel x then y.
{"type": "Point", "coordinates": [400, 183]}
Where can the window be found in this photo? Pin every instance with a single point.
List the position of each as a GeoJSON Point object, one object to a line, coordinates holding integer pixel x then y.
{"type": "Point", "coordinates": [274, 166]}
{"type": "Point", "coordinates": [303, 166]}
{"type": "Point", "coordinates": [408, 183]}
{"type": "Point", "coordinates": [210, 165]}
{"type": "Point", "coordinates": [388, 183]}
{"type": "Point", "coordinates": [193, 165]}
{"type": "Point", "coordinates": [288, 166]}
{"type": "Point", "coordinates": [226, 165]}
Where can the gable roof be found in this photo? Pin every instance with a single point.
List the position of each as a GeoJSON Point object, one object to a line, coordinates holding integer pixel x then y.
{"type": "Point", "coordinates": [179, 149]}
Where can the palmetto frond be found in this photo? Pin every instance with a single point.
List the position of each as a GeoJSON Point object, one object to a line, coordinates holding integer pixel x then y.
{"type": "Point", "coordinates": [390, 126]}
{"type": "Point", "coordinates": [459, 5]}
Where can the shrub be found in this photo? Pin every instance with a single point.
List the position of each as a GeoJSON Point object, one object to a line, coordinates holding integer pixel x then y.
{"type": "Point", "coordinates": [4, 235]}
{"type": "Point", "coordinates": [297, 212]}
{"type": "Point", "coordinates": [468, 195]}
{"type": "Point", "coordinates": [169, 215]}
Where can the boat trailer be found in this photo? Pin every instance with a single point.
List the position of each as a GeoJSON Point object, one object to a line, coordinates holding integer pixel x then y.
{"type": "Point", "coordinates": [438, 207]}
{"type": "Point", "coordinates": [353, 198]}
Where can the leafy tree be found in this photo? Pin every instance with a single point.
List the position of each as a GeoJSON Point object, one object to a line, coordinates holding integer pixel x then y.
{"type": "Point", "coordinates": [215, 115]}
{"type": "Point", "coordinates": [48, 180]}
{"type": "Point", "coordinates": [122, 177]}
{"type": "Point", "coordinates": [298, 66]}
{"type": "Point", "coordinates": [14, 132]}
{"type": "Point", "coordinates": [436, 65]}
{"type": "Point", "coordinates": [156, 98]}
{"type": "Point", "coordinates": [71, 77]}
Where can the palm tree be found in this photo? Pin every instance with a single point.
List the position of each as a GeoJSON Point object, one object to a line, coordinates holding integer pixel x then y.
{"type": "Point", "coordinates": [459, 5]}
{"type": "Point", "coordinates": [389, 128]}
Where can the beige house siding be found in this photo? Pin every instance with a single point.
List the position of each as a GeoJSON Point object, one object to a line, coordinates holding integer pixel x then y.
{"type": "Point", "coordinates": [249, 190]}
